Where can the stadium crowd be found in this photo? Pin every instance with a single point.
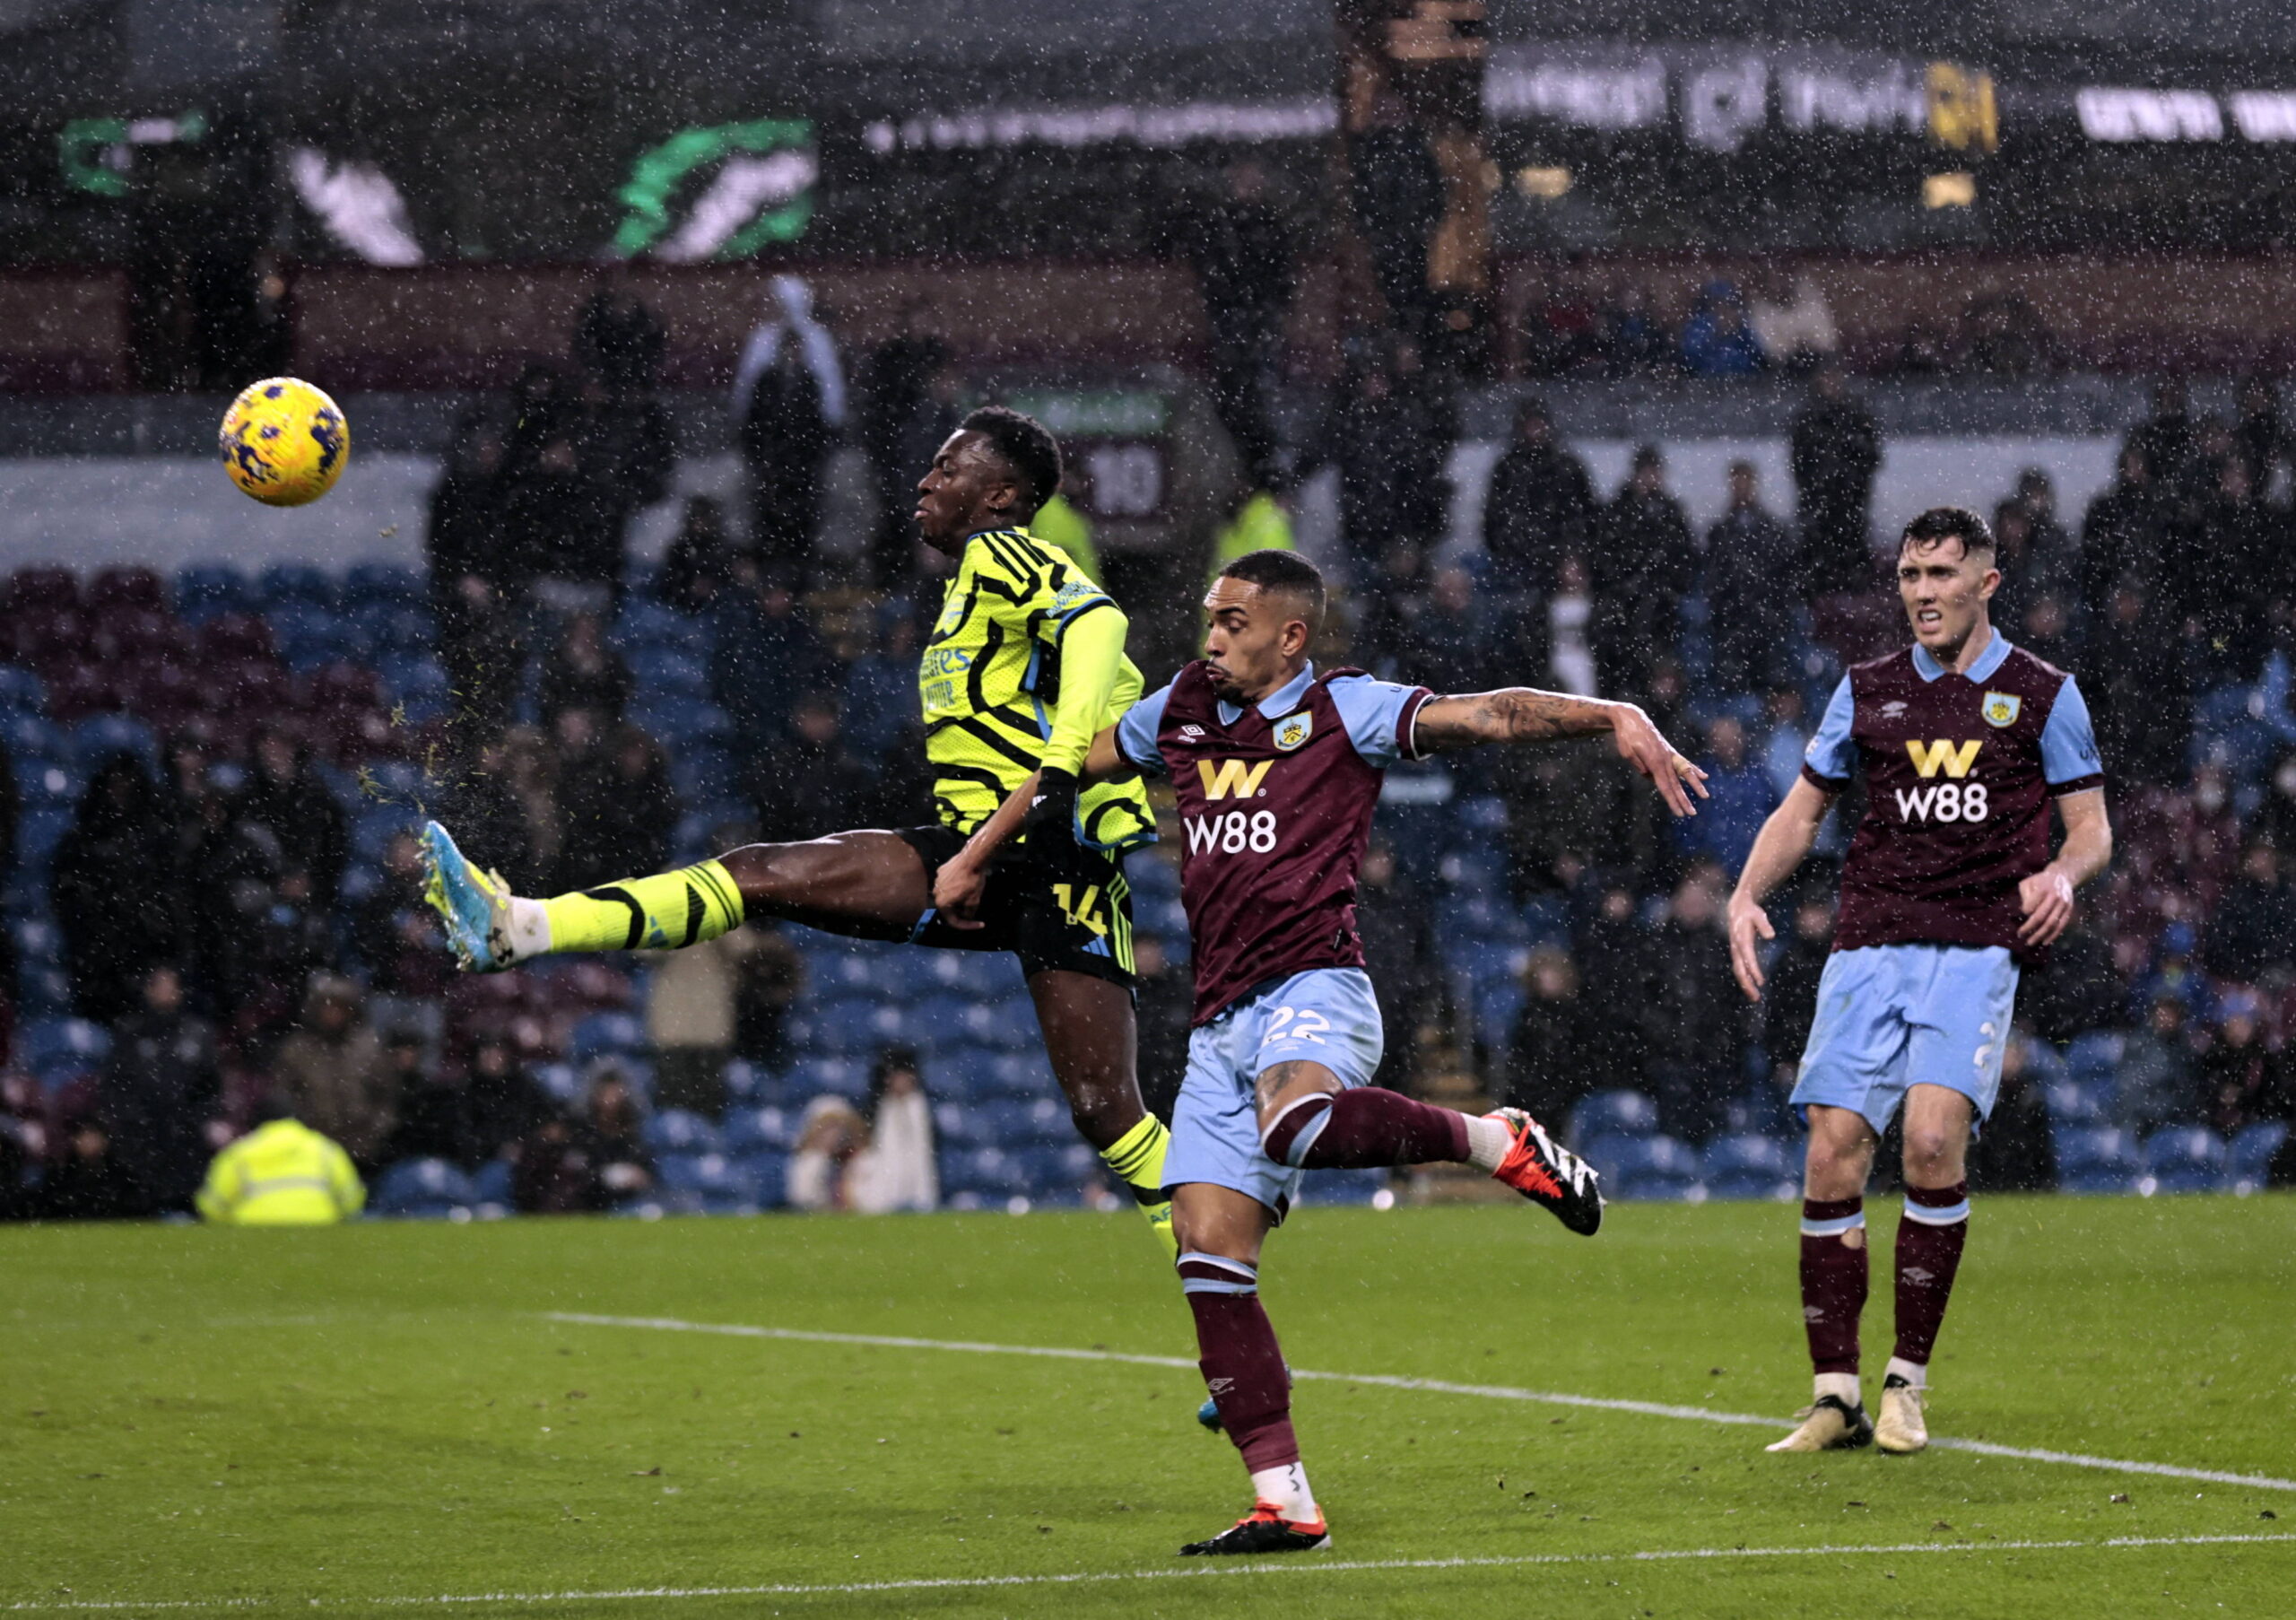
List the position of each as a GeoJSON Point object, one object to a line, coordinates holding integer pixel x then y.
{"type": "Point", "coordinates": [211, 782]}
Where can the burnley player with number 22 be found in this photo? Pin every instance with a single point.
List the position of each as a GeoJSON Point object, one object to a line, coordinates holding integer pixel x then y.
{"type": "Point", "coordinates": [1965, 742]}
{"type": "Point", "coordinates": [1277, 770]}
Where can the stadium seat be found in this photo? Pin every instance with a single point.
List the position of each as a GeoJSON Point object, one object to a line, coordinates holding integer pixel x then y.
{"type": "Point", "coordinates": [677, 1130]}
{"type": "Point", "coordinates": [1618, 1113]}
{"type": "Point", "coordinates": [138, 587]}
{"type": "Point", "coordinates": [1748, 1166]}
{"type": "Point", "coordinates": [2091, 1058]}
{"type": "Point", "coordinates": [100, 736]}
{"type": "Point", "coordinates": [967, 1125]}
{"type": "Point", "coordinates": [602, 1033]}
{"type": "Point", "coordinates": [1007, 1025]}
{"type": "Point", "coordinates": [1057, 1174]}
{"type": "Point", "coordinates": [41, 586]}
{"type": "Point", "coordinates": [750, 1131]}
{"type": "Point", "coordinates": [661, 670]}
{"type": "Point", "coordinates": [2249, 1158]}
{"type": "Point", "coordinates": [2182, 1158]}
{"type": "Point", "coordinates": [21, 691]}
{"type": "Point", "coordinates": [845, 1078]}
{"type": "Point", "coordinates": [420, 1188]}
{"type": "Point", "coordinates": [489, 1187]}
{"type": "Point", "coordinates": [1644, 1167]}
{"type": "Point", "coordinates": [1341, 1186]}
{"type": "Point", "coordinates": [2072, 1102]}
{"type": "Point", "coordinates": [281, 584]}
{"type": "Point", "coordinates": [754, 1084]}
{"type": "Point", "coordinates": [960, 1073]}
{"type": "Point", "coordinates": [987, 1172]}
{"type": "Point", "coordinates": [52, 1048]}
{"type": "Point", "coordinates": [725, 1185]}
{"type": "Point", "coordinates": [204, 590]}
{"type": "Point", "coordinates": [2096, 1158]}
{"type": "Point", "coordinates": [394, 583]}
{"type": "Point", "coordinates": [39, 829]}
{"type": "Point", "coordinates": [975, 975]}
{"type": "Point", "coordinates": [841, 1028]}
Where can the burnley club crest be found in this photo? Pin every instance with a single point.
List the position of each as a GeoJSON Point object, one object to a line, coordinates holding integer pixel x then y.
{"type": "Point", "coordinates": [1293, 729]}
{"type": "Point", "coordinates": [2001, 709]}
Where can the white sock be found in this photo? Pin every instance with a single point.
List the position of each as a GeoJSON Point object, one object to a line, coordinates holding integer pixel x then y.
{"type": "Point", "coordinates": [1287, 1488]}
{"type": "Point", "coordinates": [1489, 1140]}
{"type": "Point", "coordinates": [1915, 1373]}
{"type": "Point", "coordinates": [529, 928]}
{"type": "Point", "coordinates": [1844, 1384]}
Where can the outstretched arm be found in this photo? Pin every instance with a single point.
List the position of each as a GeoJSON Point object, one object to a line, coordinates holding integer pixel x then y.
{"type": "Point", "coordinates": [1521, 714]}
{"type": "Point", "coordinates": [1782, 844]}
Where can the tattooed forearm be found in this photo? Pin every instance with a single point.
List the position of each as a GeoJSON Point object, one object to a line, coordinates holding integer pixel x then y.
{"type": "Point", "coordinates": [1516, 714]}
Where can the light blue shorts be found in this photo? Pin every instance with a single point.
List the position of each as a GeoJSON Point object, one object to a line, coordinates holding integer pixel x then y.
{"type": "Point", "coordinates": [1326, 1015]}
{"type": "Point", "coordinates": [1891, 1017]}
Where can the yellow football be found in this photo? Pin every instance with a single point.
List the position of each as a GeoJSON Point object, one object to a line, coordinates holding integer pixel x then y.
{"type": "Point", "coordinates": [284, 442]}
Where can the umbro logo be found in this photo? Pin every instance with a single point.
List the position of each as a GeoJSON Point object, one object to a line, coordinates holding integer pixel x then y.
{"type": "Point", "coordinates": [1192, 732]}
{"type": "Point", "coordinates": [1219, 1386]}
{"type": "Point", "coordinates": [1894, 709]}
{"type": "Point", "coordinates": [1920, 1277]}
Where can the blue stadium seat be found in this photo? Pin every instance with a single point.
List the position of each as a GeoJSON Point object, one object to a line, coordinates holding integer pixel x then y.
{"type": "Point", "coordinates": [750, 1131]}
{"type": "Point", "coordinates": [987, 1172]}
{"type": "Point", "coordinates": [1056, 1173]}
{"type": "Point", "coordinates": [1748, 1166]}
{"type": "Point", "coordinates": [846, 1077]}
{"type": "Point", "coordinates": [372, 831]}
{"type": "Point", "coordinates": [680, 721]}
{"type": "Point", "coordinates": [21, 691]}
{"type": "Point", "coordinates": [960, 1073]}
{"type": "Point", "coordinates": [2096, 1158]}
{"type": "Point", "coordinates": [1007, 1025]}
{"type": "Point", "coordinates": [603, 1032]}
{"type": "Point", "coordinates": [677, 1130]}
{"type": "Point", "coordinates": [966, 1125]}
{"type": "Point", "coordinates": [1025, 1074]}
{"type": "Point", "coordinates": [491, 1184]}
{"type": "Point", "coordinates": [2182, 1158]}
{"type": "Point", "coordinates": [2091, 1058]}
{"type": "Point", "coordinates": [753, 1084]}
{"type": "Point", "coordinates": [281, 584]}
{"type": "Point", "coordinates": [669, 670]}
{"type": "Point", "coordinates": [1341, 1186]}
{"type": "Point", "coordinates": [768, 1174]}
{"type": "Point", "coordinates": [100, 736]}
{"type": "Point", "coordinates": [663, 1201]}
{"type": "Point", "coordinates": [1618, 1113]}
{"type": "Point", "coordinates": [421, 1187]}
{"type": "Point", "coordinates": [40, 829]}
{"type": "Point", "coordinates": [1644, 1167]}
{"type": "Point", "coordinates": [563, 1081]}
{"type": "Point", "coordinates": [205, 589]}
{"type": "Point", "coordinates": [842, 1028]}
{"type": "Point", "coordinates": [31, 737]}
{"type": "Point", "coordinates": [394, 583]}
{"type": "Point", "coordinates": [705, 773]}
{"type": "Point", "coordinates": [2072, 1102]}
{"type": "Point", "coordinates": [725, 1185]}
{"type": "Point", "coordinates": [2250, 1153]}
{"type": "Point", "coordinates": [842, 974]}
{"type": "Point", "coordinates": [645, 622]}
{"type": "Point", "coordinates": [57, 1047]}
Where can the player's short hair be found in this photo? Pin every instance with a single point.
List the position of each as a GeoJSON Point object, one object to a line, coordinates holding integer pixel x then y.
{"type": "Point", "coordinates": [1943, 523]}
{"type": "Point", "coordinates": [1274, 570]}
{"type": "Point", "coordinates": [1026, 445]}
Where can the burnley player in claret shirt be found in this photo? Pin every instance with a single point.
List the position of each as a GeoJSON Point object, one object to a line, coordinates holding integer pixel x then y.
{"type": "Point", "coordinates": [1277, 767]}
{"type": "Point", "coordinates": [1949, 887]}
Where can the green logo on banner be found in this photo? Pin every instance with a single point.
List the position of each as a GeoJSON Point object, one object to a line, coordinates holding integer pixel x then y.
{"type": "Point", "coordinates": [761, 191]}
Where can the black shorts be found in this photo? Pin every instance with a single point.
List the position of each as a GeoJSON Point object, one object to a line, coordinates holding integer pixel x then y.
{"type": "Point", "coordinates": [1063, 906]}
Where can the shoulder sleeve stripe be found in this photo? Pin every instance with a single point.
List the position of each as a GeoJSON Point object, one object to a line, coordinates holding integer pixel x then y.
{"type": "Point", "coordinates": [1012, 557]}
{"type": "Point", "coordinates": [1407, 723]}
{"type": "Point", "coordinates": [2079, 784]}
{"type": "Point", "coordinates": [1824, 784]}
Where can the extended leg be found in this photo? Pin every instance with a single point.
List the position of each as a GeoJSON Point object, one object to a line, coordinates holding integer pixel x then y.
{"type": "Point", "coordinates": [1089, 1034]}
{"type": "Point", "coordinates": [1930, 1237]}
{"type": "Point", "coordinates": [1221, 1231]}
{"type": "Point", "coordinates": [1834, 1276]}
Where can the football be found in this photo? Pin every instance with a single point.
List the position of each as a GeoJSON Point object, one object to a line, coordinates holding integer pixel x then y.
{"type": "Point", "coordinates": [284, 442]}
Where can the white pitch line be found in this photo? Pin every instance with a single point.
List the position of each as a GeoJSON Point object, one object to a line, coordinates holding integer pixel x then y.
{"type": "Point", "coordinates": [1288, 1568]}
{"type": "Point", "coordinates": [1644, 1408]}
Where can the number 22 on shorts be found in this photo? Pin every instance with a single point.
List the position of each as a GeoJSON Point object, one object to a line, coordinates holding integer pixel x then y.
{"type": "Point", "coordinates": [1290, 1023]}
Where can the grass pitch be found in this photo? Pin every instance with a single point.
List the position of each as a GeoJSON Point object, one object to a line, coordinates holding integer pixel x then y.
{"type": "Point", "coordinates": [386, 1417]}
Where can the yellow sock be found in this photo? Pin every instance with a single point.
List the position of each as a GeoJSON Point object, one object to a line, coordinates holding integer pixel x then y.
{"type": "Point", "coordinates": [664, 912]}
{"type": "Point", "coordinates": [1139, 1158]}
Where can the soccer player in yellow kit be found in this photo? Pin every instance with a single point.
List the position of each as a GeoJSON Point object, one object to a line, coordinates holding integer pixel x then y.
{"type": "Point", "coordinates": [1024, 668]}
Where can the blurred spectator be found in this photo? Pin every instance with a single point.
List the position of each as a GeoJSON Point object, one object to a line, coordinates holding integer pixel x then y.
{"type": "Point", "coordinates": [82, 1181]}
{"type": "Point", "coordinates": [114, 910]}
{"type": "Point", "coordinates": [1630, 338]}
{"type": "Point", "coordinates": [1789, 997]}
{"type": "Point", "coordinates": [553, 1170]}
{"type": "Point", "coordinates": [2015, 1152]}
{"type": "Point", "coordinates": [1644, 565]}
{"type": "Point", "coordinates": [617, 339]}
{"type": "Point", "coordinates": [881, 704]}
{"type": "Point", "coordinates": [478, 579]}
{"type": "Point", "coordinates": [813, 783]}
{"type": "Point", "coordinates": [484, 808]}
{"type": "Point", "coordinates": [615, 803]}
{"type": "Point", "coordinates": [576, 472]}
{"type": "Point", "coordinates": [1396, 191]}
{"type": "Point", "coordinates": [1786, 737]}
{"type": "Point", "coordinates": [280, 1173]}
{"type": "Point", "coordinates": [903, 411]}
{"type": "Point", "coordinates": [1717, 341]}
{"type": "Point", "coordinates": [1751, 618]}
{"type": "Point", "coordinates": [2122, 536]}
{"type": "Point", "coordinates": [689, 1023]}
{"type": "Point", "coordinates": [2260, 437]}
{"type": "Point", "coordinates": [333, 1075]}
{"type": "Point", "coordinates": [1571, 631]}
{"type": "Point", "coordinates": [699, 563]}
{"type": "Point", "coordinates": [1241, 246]}
{"type": "Point", "coordinates": [2241, 550]}
{"type": "Point", "coordinates": [2242, 1080]}
{"type": "Point", "coordinates": [1615, 954]}
{"type": "Point", "coordinates": [764, 652]}
{"type": "Point", "coordinates": [1391, 919]}
{"type": "Point", "coordinates": [2253, 926]}
{"type": "Point", "coordinates": [2143, 696]}
{"type": "Point", "coordinates": [772, 976]}
{"type": "Point", "coordinates": [158, 1096]}
{"type": "Point", "coordinates": [1836, 450]}
{"type": "Point", "coordinates": [395, 931]}
{"type": "Point", "coordinates": [2169, 441]}
{"type": "Point", "coordinates": [2038, 564]}
{"type": "Point", "coordinates": [1431, 412]}
{"type": "Point", "coordinates": [831, 1133]}
{"type": "Point", "coordinates": [789, 407]}
{"type": "Point", "coordinates": [1540, 505]}
{"type": "Point", "coordinates": [1694, 1025]}
{"type": "Point", "coordinates": [1546, 1074]}
{"type": "Point", "coordinates": [469, 1114]}
{"type": "Point", "coordinates": [1793, 322]}
{"type": "Point", "coordinates": [615, 1127]}
{"type": "Point", "coordinates": [1740, 798]}
{"type": "Point", "coordinates": [2154, 1085]}
{"type": "Point", "coordinates": [1162, 996]}
{"type": "Point", "coordinates": [2002, 335]}
{"type": "Point", "coordinates": [896, 1172]}
{"type": "Point", "coordinates": [275, 936]}
{"type": "Point", "coordinates": [1452, 649]}
{"type": "Point", "coordinates": [582, 672]}
{"type": "Point", "coordinates": [284, 793]}
{"type": "Point", "coordinates": [1370, 435]}
{"type": "Point", "coordinates": [1923, 352]}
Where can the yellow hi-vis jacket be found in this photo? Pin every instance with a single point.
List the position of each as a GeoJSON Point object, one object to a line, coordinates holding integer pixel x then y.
{"type": "Point", "coordinates": [283, 1173]}
{"type": "Point", "coordinates": [1058, 523]}
{"type": "Point", "coordinates": [1261, 523]}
